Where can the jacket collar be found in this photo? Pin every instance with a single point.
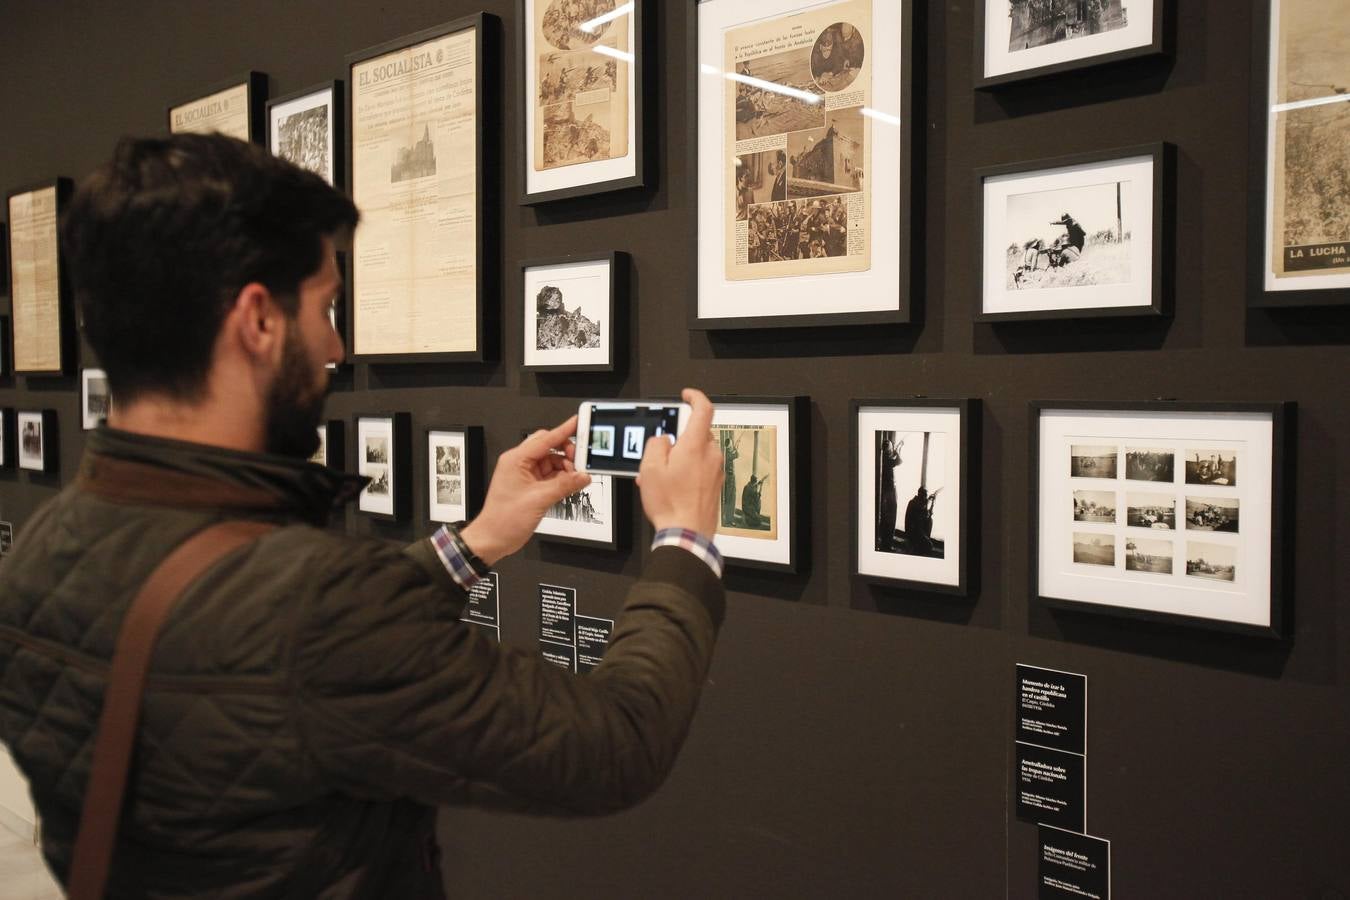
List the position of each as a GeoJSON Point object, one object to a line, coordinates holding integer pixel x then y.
{"type": "Point", "coordinates": [136, 469]}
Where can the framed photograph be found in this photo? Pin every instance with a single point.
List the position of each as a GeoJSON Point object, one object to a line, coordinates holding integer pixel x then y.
{"type": "Point", "coordinates": [384, 455]}
{"type": "Point", "coordinates": [1301, 124]}
{"type": "Point", "coordinates": [42, 322]}
{"type": "Point", "coordinates": [588, 518]}
{"type": "Point", "coordinates": [1164, 511]}
{"type": "Point", "coordinates": [38, 440]}
{"type": "Point", "coordinates": [1078, 236]}
{"type": "Point", "coordinates": [234, 107]}
{"type": "Point", "coordinates": [1018, 40]}
{"type": "Point", "coordinates": [9, 447]}
{"type": "Point", "coordinates": [454, 472]}
{"type": "Point", "coordinates": [914, 494]}
{"type": "Point", "coordinates": [332, 446]}
{"type": "Point", "coordinates": [306, 128]}
{"type": "Point", "coordinates": [765, 446]}
{"type": "Point", "coordinates": [803, 160]}
{"type": "Point", "coordinates": [95, 398]}
{"type": "Point", "coordinates": [570, 306]}
{"type": "Point", "coordinates": [418, 115]}
{"type": "Point", "coordinates": [582, 114]}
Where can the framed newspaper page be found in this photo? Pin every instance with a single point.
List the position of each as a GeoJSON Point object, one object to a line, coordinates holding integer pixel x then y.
{"type": "Point", "coordinates": [306, 128]}
{"type": "Point", "coordinates": [454, 467]}
{"type": "Point", "coordinates": [1301, 132]}
{"type": "Point", "coordinates": [1020, 40]}
{"type": "Point", "coordinates": [1173, 512]}
{"type": "Point", "coordinates": [234, 107]}
{"type": "Point", "coordinates": [384, 455]}
{"type": "Point", "coordinates": [582, 112]}
{"type": "Point", "coordinates": [418, 116]}
{"type": "Point", "coordinates": [42, 329]}
{"type": "Point", "coordinates": [801, 132]}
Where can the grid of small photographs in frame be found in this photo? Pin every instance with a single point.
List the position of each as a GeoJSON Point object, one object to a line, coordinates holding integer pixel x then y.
{"type": "Point", "coordinates": [1163, 511]}
{"type": "Point", "coordinates": [383, 454]}
{"type": "Point", "coordinates": [454, 472]}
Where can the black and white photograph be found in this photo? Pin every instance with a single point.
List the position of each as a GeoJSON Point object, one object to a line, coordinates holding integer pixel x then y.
{"type": "Point", "coordinates": [449, 459]}
{"type": "Point", "coordinates": [911, 470]}
{"type": "Point", "coordinates": [1212, 514]}
{"type": "Point", "coordinates": [1150, 464]}
{"type": "Point", "coordinates": [416, 160]}
{"type": "Point", "coordinates": [1093, 549]}
{"type": "Point", "coordinates": [827, 160]}
{"type": "Point", "coordinates": [449, 490]}
{"type": "Point", "coordinates": [1217, 562]}
{"type": "Point", "coordinates": [1093, 461]}
{"type": "Point", "coordinates": [96, 399]}
{"type": "Point", "coordinates": [776, 94]}
{"type": "Point", "coordinates": [1145, 555]}
{"type": "Point", "coordinates": [36, 434]}
{"type": "Point", "coordinates": [1094, 506]}
{"type": "Point", "coordinates": [569, 312]}
{"type": "Point", "coordinates": [454, 465]}
{"type": "Point", "coordinates": [1018, 40]}
{"type": "Point", "coordinates": [1035, 23]}
{"type": "Point", "coordinates": [30, 437]}
{"type": "Point", "coordinates": [1072, 237]}
{"type": "Point", "coordinates": [383, 455]}
{"type": "Point", "coordinates": [1211, 466]}
{"type": "Point", "coordinates": [799, 229]}
{"type": "Point", "coordinates": [586, 517]}
{"type": "Point", "coordinates": [379, 480]}
{"type": "Point", "coordinates": [305, 128]}
{"type": "Point", "coordinates": [634, 441]}
{"type": "Point", "coordinates": [602, 440]}
{"type": "Point", "coordinates": [377, 449]}
{"type": "Point", "coordinates": [837, 56]}
{"type": "Point", "coordinates": [760, 178]}
{"type": "Point", "coordinates": [1155, 511]}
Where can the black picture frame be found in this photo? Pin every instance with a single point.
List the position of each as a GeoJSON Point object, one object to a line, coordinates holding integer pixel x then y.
{"type": "Point", "coordinates": [65, 304]}
{"type": "Point", "coordinates": [1160, 46]}
{"type": "Point", "coordinates": [257, 83]}
{"type": "Point", "coordinates": [642, 133]}
{"type": "Point", "coordinates": [486, 113]}
{"type": "Point", "coordinates": [969, 411]}
{"type": "Point", "coordinates": [336, 109]}
{"type": "Point", "coordinates": [620, 264]}
{"type": "Point", "coordinates": [5, 347]}
{"type": "Point", "coordinates": [1283, 417]}
{"type": "Point", "coordinates": [798, 409]}
{"type": "Point", "coordinates": [335, 444]}
{"type": "Point", "coordinates": [1163, 221]}
{"type": "Point", "coordinates": [9, 447]}
{"type": "Point", "coordinates": [400, 463]}
{"type": "Point", "coordinates": [475, 485]}
{"type": "Point", "coordinates": [51, 441]}
{"type": "Point", "coordinates": [1261, 122]}
{"type": "Point", "coordinates": [910, 200]}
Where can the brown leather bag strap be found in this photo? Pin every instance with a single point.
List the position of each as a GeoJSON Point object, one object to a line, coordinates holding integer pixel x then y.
{"type": "Point", "coordinates": [122, 699]}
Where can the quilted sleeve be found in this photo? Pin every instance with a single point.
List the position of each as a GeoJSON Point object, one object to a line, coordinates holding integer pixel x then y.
{"type": "Point", "coordinates": [397, 698]}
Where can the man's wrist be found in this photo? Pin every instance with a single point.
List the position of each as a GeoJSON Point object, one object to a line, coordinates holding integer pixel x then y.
{"type": "Point", "coordinates": [697, 544]}
{"type": "Point", "coordinates": [480, 541]}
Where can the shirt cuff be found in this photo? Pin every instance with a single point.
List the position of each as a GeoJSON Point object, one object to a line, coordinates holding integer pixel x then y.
{"type": "Point", "coordinates": [461, 562]}
{"type": "Point", "coordinates": [692, 541]}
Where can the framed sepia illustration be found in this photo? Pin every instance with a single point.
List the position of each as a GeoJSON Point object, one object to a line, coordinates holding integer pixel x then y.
{"type": "Point", "coordinates": [912, 463]}
{"type": "Point", "coordinates": [305, 128]}
{"type": "Point", "coordinates": [384, 455]}
{"type": "Point", "coordinates": [41, 326]}
{"type": "Point", "coordinates": [37, 439]}
{"type": "Point", "coordinates": [802, 142]}
{"type": "Point", "coordinates": [417, 118]}
{"type": "Point", "coordinates": [331, 451]}
{"type": "Point", "coordinates": [1078, 236]}
{"type": "Point", "coordinates": [570, 312]}
{"type": "Point", "coordinates": [765, 444]}
{"type": "Point", "coordinates": [95, 398]}
{"type": "Point", "coordinates": [1019, 40]}
{"type": "Point", "coordinates": [1301, 132]}
{"type": "Point", "coordinates": [454, 472]}
{"type": "Point", "coordinates": [9, 445]}
{"type": "Point", "coordinates": [1165, 511]}
{"type": "Point", "coordinates": [581, 111]}
{"type": "Point", "coordinates": [235, 107]}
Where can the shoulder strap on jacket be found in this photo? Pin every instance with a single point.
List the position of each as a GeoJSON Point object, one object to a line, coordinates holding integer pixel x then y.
{"type": "Point", "coordinates": [116, 733]}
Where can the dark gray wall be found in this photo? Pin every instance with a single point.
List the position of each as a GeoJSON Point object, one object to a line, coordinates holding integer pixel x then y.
{"type": "Point", "coordinates": [852, 742]}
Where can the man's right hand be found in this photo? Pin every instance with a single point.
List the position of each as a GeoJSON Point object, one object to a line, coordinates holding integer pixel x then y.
{"type": "Point", "coordinates": [681, 485]}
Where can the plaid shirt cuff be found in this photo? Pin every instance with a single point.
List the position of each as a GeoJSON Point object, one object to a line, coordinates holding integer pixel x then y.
{"type": "Point", "coordinates": [692, 541]}
{"type": "Point", "coordinates": [464, 567]}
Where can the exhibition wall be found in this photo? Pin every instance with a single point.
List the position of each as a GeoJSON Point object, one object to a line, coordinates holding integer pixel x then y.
{"type": "Point", "coordinates": [853, 739]}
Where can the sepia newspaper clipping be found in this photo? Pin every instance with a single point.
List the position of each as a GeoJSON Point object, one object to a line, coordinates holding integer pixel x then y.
{"type": "Point", "coordinates": [414, 178]}
{"type": "Point", "coordinates": [798, 145]}
{"type": "Point", "coordinates": [36, 281]}
{"type": "Point", "coordinates": [225, 112]}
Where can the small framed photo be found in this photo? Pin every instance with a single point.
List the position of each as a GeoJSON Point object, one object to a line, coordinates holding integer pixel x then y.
{"type": "Point", "coordinates": [95, 398]}
{"type": "Point", "coordinates": [234, 107]}
{"type": "Point", "coordinates": [913, 490]}
{"type": "Point", "coordinates": [384, 455]}
{"type": "Point", "coordinates": [571, 315]}
{"type": "Point", "coordinates": [305, 128]}
{"type": "Point", "coordinates": [1019, 40]}
{"type": "Point", "coordinates": [588, 518]}
{"type": "Point", "coordinates": [765, 447]}
{"type": "Point", "coordinates": [1077, 236]}
{"type": "Point", "coordinates": [37, 440]}
{"type": "Point", "coordinates": [1163, 511]}
{"type": "Point", "coordinates": [454, 472]}
{"type": "Point", "coordinates": [332, 447]}
{"type": "Point", "coordinates": [9, 449]}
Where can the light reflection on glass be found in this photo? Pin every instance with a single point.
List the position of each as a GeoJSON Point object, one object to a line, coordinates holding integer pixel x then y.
{"type": "Point", "coordinates": [590, 25]}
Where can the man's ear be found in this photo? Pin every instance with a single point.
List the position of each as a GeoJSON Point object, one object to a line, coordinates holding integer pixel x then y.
{"type": "Point", "coordinates": [256, 320]}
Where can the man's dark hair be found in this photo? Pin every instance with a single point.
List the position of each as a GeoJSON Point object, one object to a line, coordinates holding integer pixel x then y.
{"type": "Point", "coordinates": [160, 241]}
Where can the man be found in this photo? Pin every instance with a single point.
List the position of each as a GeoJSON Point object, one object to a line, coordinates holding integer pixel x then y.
{"type": "Point", "coordinates": [313, 696]}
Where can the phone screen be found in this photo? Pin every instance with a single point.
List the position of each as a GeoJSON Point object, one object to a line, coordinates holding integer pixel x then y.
{"type": "Point", "coordinates": [618, 434]}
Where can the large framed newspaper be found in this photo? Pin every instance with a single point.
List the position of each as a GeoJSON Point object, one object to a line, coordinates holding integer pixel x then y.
{"type": "Point", "coordinates": [42, 327]}
{"type": "Point", "coordinates": [235, 107]}
{"type": "Point", "coordinates": [416, 152]}
{"type": "Point", "coordinates": [804, 162]}
{"type": "Point", "coordinates": [1301, 116]}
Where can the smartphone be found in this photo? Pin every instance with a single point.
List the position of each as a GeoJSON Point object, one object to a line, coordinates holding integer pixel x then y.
{"type": "Point", "coordinates": [611, 435]}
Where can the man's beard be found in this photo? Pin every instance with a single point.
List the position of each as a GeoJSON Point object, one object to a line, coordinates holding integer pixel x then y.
{"type": "Point", "coordinates": [294, 404]}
